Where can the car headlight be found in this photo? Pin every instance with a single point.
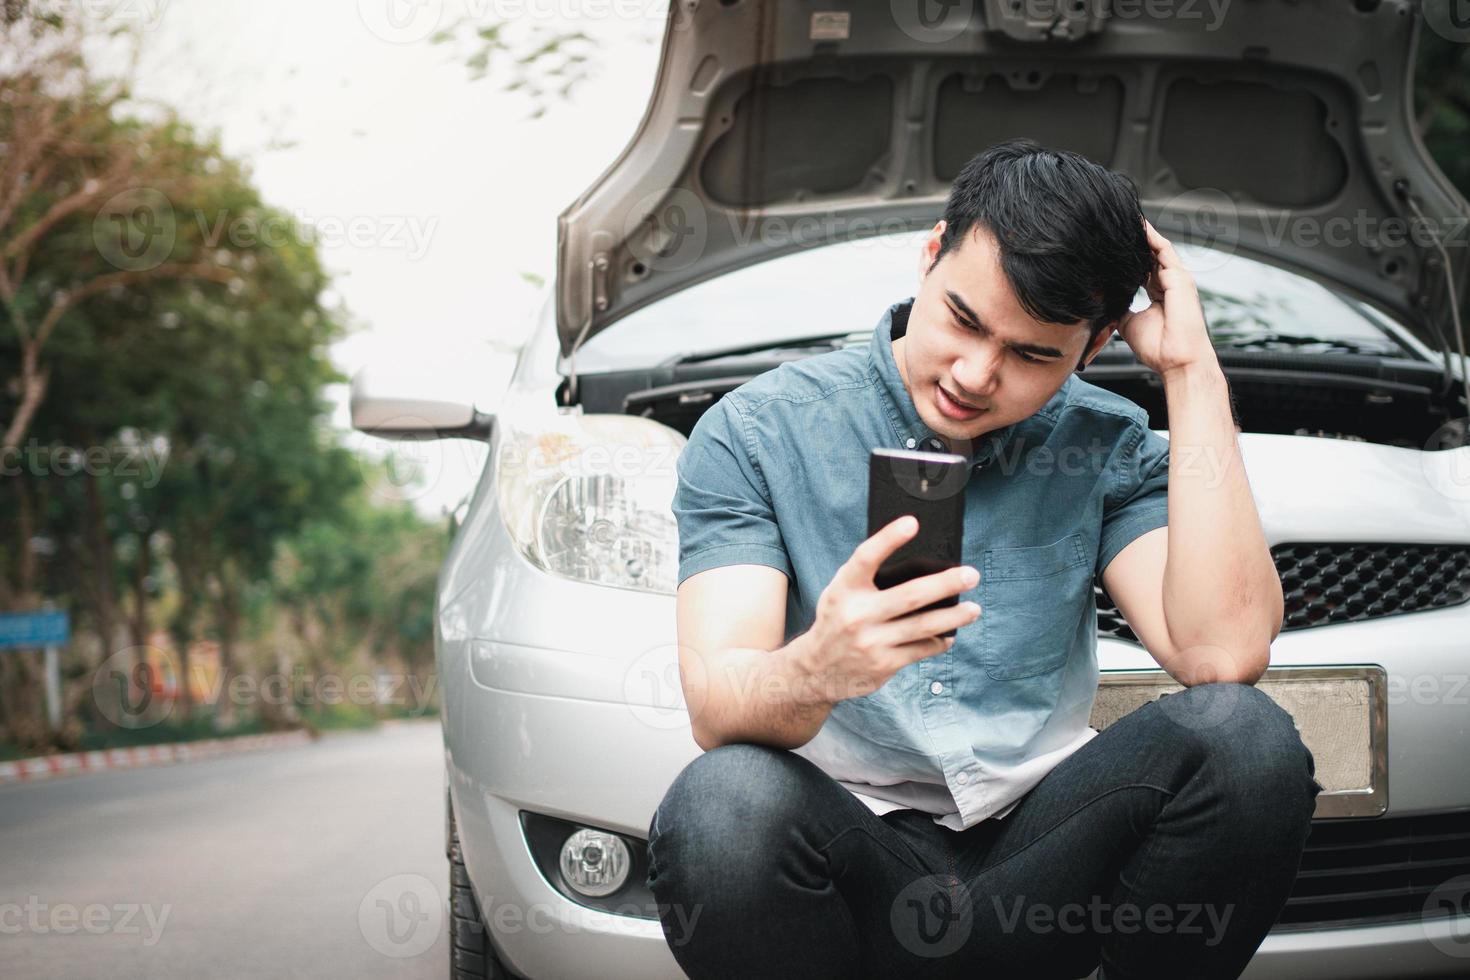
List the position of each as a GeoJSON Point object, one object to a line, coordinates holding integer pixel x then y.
{"type": "Point", "coordinates": [588, 497]}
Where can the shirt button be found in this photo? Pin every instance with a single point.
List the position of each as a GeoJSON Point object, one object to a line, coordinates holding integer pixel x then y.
{"type": "Point", "coordinates": [962, 778]}
{"type": "Point", "coordinates": [909, 443]}
{"type": "Point", "coordinates": [936, 688]}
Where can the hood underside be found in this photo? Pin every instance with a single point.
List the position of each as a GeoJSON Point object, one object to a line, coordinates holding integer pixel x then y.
{"type": "Point", "coordinates": [1280, 130]}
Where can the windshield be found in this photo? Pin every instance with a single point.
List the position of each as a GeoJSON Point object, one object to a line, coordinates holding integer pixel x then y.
{"type": "Point", "coordinates": [845, 287]}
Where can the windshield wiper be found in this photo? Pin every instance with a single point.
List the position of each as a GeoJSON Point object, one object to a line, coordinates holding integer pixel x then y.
{"type": "Point", "coordinates": [817, 340]}
{"type": "Point", "coordinates": [1267, 340]}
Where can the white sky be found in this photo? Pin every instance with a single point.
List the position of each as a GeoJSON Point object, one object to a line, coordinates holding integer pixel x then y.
{"type": "Point", "coordinates": [352, 120]}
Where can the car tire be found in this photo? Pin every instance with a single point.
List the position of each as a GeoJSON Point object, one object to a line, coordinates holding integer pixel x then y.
{"type": "Point", "coordinates": [471, 957]}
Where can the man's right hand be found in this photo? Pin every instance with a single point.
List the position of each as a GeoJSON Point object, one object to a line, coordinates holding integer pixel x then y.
{"type": "Point", "coordinates": [863, 635]}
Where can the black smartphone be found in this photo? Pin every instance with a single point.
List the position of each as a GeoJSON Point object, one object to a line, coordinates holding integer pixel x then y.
{"type": "Point", "coordinates": [931, 487]}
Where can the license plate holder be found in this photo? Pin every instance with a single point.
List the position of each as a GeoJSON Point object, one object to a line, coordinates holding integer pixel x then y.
{"type": "Point", "coordinates": [1341, 713]}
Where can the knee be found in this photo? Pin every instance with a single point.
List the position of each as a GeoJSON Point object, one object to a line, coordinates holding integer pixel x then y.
{"type": "Point", "coordinates": [727, 802]}
{"type": "Point", "coordinates": [1253, 745]}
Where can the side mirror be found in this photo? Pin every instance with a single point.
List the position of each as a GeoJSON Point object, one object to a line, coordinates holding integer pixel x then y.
{"type": "Point", "coordinates": [395, 406]}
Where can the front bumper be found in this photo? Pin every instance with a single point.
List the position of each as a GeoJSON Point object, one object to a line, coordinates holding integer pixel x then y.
{"type": "Point", "coordinates": [598, 755]}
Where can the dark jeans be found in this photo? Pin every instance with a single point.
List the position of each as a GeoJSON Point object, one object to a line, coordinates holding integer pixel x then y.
{"type": "Point", "coordinates": [1165, 847]}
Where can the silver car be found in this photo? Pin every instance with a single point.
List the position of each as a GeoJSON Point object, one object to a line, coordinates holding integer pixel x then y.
{"type": "Point", "coordinates": [767, 210]}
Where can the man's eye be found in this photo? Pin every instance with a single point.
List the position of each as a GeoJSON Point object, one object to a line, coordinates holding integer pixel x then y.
{"type": "Point", "coordinates": [1029, 359]}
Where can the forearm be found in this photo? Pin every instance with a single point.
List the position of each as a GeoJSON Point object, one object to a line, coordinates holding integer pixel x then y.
{"type": "Point", "coordinates": [760, 696]}
{"type": "Point", "coordinates": [1222, 594]}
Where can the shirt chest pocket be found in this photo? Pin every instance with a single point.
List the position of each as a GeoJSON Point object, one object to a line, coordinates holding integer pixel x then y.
{"type": "Point", "coordinates": [1034, 600]}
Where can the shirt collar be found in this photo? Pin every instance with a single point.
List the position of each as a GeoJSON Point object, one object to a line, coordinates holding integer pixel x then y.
{"type": "Point", "coordinates": [909, 428]}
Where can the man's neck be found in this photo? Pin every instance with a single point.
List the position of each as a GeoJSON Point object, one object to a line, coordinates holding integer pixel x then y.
{"type": "Point", "coordinates": [903, 372]}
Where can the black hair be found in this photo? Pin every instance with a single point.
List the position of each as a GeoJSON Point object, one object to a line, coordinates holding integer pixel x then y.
{"type": "Point", "coordinates": [1070, 232]}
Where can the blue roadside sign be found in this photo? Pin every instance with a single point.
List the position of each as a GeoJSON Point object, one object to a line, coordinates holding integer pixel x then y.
{"type": "Point", "coordinates": [41, 628]}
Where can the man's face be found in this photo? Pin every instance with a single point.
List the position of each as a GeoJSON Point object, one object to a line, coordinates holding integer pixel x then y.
{"type": "Point", "coordinates": [968, 336]}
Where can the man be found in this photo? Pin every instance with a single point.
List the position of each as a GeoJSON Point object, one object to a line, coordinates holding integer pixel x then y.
{"type": "Point", "coordinates": [875, 799]}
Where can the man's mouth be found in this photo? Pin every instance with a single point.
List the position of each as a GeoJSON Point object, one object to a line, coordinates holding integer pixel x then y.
{"type": "Point", "coordinates": [953, 408]}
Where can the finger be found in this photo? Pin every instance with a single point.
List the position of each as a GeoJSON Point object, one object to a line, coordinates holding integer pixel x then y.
{"type": "Point", "coordinates": [1156, 241]}
{"type": "Point", "coordinates": [911, 629]}
{"type": "Point", "coordinates": [1145, 320]}
{"type": "Point", "coordinates": [919, 649]}
{"type": "Point", "coordinates": [1153, 287]}
{"type": "Point", "coordinates": [919, 592]}
{"type": "Point", "coordinates": [869, 556]}
{"type": "Point", "coordinates": [1163, 248]}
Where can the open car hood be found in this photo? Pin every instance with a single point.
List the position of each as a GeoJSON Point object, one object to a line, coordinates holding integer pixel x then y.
{"type": "Point", "coordinates": [1281, 130]}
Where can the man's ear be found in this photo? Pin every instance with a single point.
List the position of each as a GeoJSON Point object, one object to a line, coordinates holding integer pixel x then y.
{"type": "Point", "coordinates": [930, 249]}
{"type": "Point", "coordinates": [1097, 344]}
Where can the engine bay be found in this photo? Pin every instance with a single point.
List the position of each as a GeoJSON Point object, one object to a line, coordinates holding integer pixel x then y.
{"type": "Point", "coordinates": [1387, 401]}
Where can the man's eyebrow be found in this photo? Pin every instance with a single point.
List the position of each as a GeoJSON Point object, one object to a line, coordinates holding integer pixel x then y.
{"type": "Point", "coordinates": [964, 312]}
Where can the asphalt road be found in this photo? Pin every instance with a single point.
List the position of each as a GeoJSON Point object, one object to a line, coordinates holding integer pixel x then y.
{"type": "Point", "coordinates": [314, 861]}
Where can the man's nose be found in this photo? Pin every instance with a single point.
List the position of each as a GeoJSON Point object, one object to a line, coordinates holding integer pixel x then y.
{"type": "Point", "coordinates": [977, 373]}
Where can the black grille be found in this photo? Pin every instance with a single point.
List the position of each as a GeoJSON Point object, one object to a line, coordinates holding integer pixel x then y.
{"type": "Point", "coordinates": [1376, 870]}
{"type": "Point", "coordinates": [1345, 582]}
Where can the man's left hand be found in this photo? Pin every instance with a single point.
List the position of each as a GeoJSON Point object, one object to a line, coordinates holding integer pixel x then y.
{"type": "Point", "coordinates": [1169, 334]}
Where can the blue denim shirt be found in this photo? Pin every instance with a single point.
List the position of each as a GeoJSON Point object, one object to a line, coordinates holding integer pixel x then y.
{"type": "Point", "coordinates": [776, 473]}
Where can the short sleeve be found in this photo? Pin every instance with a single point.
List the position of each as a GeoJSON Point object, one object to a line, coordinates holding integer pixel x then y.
{"type": "Point", "coordinates": [722, 504]}
{"type": "Point", "coordinates": [1139, 500]}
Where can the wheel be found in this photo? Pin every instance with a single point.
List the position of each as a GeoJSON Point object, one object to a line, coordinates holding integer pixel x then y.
{"type": "Point", "coordinates": [471, 956]}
